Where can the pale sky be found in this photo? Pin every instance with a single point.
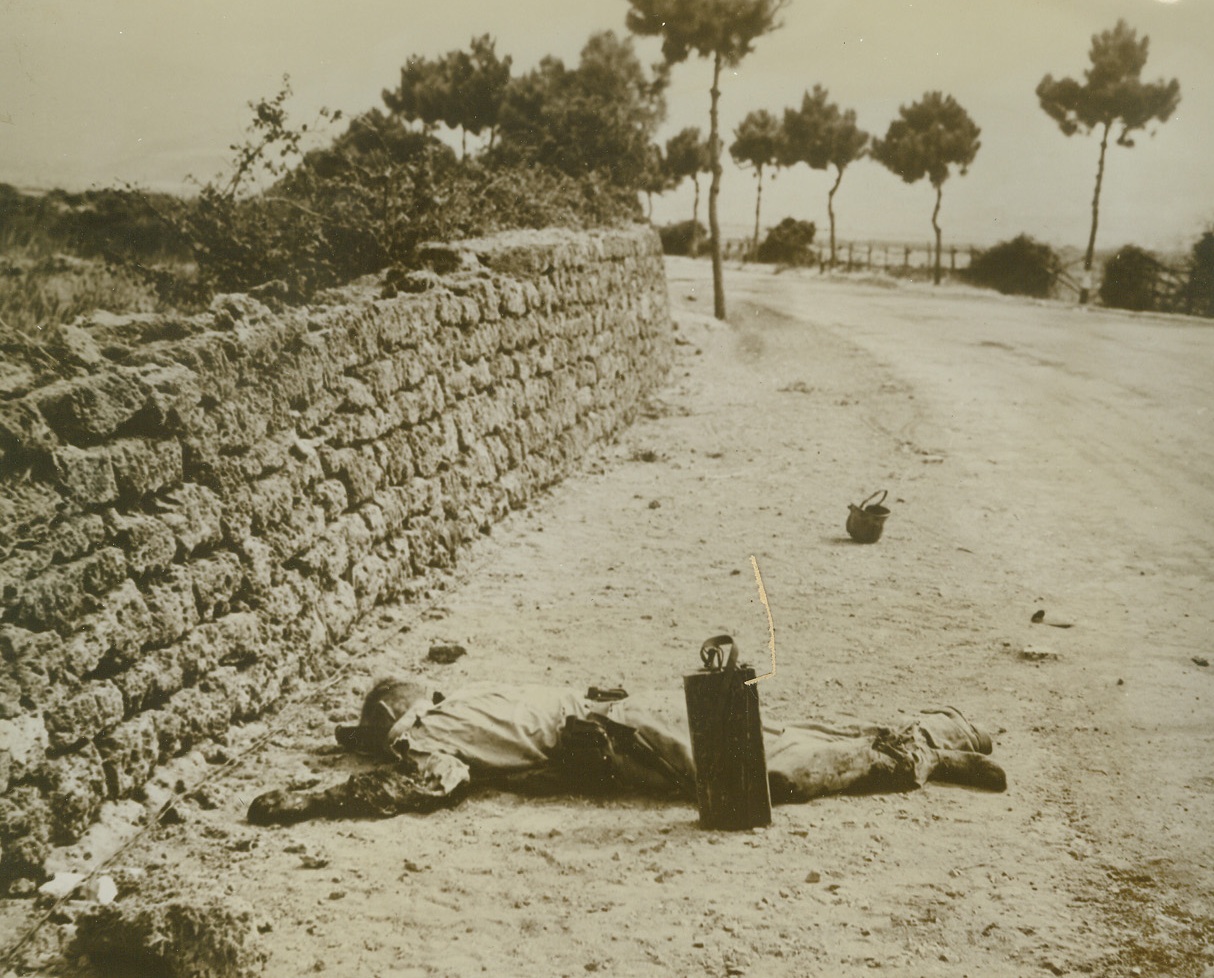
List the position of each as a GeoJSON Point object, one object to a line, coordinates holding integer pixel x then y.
{"type": "Point", "coordinates": [149, 91]}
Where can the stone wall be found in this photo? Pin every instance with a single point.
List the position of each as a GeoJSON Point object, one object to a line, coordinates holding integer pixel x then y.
{"type": "Point", "coordinates": [194, 510]}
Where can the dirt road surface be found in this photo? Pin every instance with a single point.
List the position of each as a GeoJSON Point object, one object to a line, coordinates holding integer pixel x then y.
{"type": "Point", "coordinates": [1037, 456]}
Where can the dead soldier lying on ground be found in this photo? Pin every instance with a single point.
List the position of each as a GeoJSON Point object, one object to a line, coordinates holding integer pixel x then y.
{"type": "Point", "coordinates": [543, 739]}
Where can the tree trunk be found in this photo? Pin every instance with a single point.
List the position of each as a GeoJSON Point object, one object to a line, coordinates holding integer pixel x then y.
{"type": "Point", "coordinates": [758, 201]}
{"type": "Point", "coordinates": [936, 228]}
{"type": "Point", "coordinates": [694, 247]}
{"type": "Point", "coordinates": [1085, 290]}
{"type": "Point", "coordinates": [714, 191]}
{"type": "Point", "coordinates": [830, 209]}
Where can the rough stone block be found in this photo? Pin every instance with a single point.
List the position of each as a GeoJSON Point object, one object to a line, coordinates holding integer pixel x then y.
{"type": "Point", "coordinates": [142, 466]}
{"type": "Point", "coordinates": [25, 510]}
{"type": "Point", "coordinates": [338, 610]}
{"type": "Point", "coordinates": [148, 682]}
{"type": "Point", "coordinates": [512, 298]}
{"type": "Point", "coordinates": [83, 715]}
{"type": "Point", "coordinates": [216, 579]}
{"type": "Point", "coordinates": [54, 599]}
{"type": "Point", "coordinates": [148, 543]}
{"type": "Point", "coordinates": [77, 789]}
{"type": "Point", "coordinates": [171, 606]}
{"type": "Point", "coordinates": [76, 536]}
{"type": "Point", "coordinates": [234, 638]}
{"type": "Point", "coordinates": [87, 474]}
{"type": "Point", "coordinates": [23, 743]}
{"type": "Point", "coordinates": [354, 394]}
{"type": "Point", "coordinates": [91, 409]}
{"type": "Point", "coordinates": [193, 513]}
{"type": "Point", "coordinates": [237, 425]}
{"type": "Point", "coordinates": [326, 561]}
{"type": "Point", "coordinates": [357, 469]}
{"type": "Point", "coordinates": [129, 755]}
{"type": "Point", "coordinates": [103, 570]}
{"type": "Point", "coordinates": [25, 820]}
{"type": "Point", "coordinates": [261, 571]}
{"type": "Point", "coordinates": [174, 396]}
{"type": "Point", "coordinates": [192, 715]}
{"type": "Point", "coordinates": [124, 622]}
{"type": "Point", "coordinates": [368, 577]}
{"type": "Point", "coordinates": [297, 533]}
{"type": "Point", "coordinates": [394, 456]}
{"type": "Point", "coordinates": [381, 377]}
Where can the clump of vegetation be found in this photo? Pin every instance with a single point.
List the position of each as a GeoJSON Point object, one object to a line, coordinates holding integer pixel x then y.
{"type": "Point", "coordinates": [1199, 287]}
{"type": "Point", "coordinates": [1021, 266]}
{"type": "Point", "coordinates": [682, 237]}
{"type": "Point", "coordinates": [1131, 279]}
{"type": "Point", "coordinates": [789, 243]}
{"type": "Point", "coordinates": [91, 224]}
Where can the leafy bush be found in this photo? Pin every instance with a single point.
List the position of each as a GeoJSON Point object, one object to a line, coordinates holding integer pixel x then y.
{"type": "Point", "coordinates": [1199, 288]}
{"type": "Point", "coordinates": [788, 243]}
{"type": "Point", "coordinates": [1020, 266]}
{"type": "Point", "coordinates": [1131, 279]}
{"type": "Point", "coordinates": [677, 238]}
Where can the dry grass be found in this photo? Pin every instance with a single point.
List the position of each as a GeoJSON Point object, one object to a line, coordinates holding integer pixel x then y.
{"type": "Point", "coordinates": [37, 292]}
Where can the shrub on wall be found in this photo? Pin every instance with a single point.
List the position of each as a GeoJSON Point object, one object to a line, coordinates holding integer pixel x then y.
{"type": "Point", "coordinates": [364, 202]}
{"type": "Point", "coordinates": [1131, 279]}
{"type": "Point", "coordinates": [789, 243]}
{"type": "Point", "coordinates": [1021, 266]}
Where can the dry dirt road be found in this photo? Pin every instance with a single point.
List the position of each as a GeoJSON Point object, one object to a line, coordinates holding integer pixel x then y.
{"type": "Point", "coordinates": [1037, 456]}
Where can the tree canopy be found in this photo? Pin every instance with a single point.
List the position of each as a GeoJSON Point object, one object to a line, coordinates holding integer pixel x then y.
{"type": "Point", "coordinates": [756, 141]}
{"type": "Point", "coordinates": [929, 136]}
{"type": "Point", "coordinates": [727, 28]}
{"type": "Point", "coordinates": [687, 154]}
{"type": "Point", "coordinates": [463, 89]}
{"type": "Point", "coordinates": [1112, 92]}
{"type": "Point", "coordinates": [598, 117]}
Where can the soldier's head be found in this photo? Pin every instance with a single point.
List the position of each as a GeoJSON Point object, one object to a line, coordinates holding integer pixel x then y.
{"type": "Point", "coordinates": [387, 702]}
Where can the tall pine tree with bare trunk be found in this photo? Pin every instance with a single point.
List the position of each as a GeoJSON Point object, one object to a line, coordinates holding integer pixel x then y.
{"type": "Point", "coordinates": [1112, 93]}
{"type": "Point", "coordinates": [820, 135]}
{"type": "Point", "coordinates": [687, 156]}
{"type": "Point", "coordinates": [724, 31]}
{"type": "Point", "coordinates": [756, 144]}
{"type": "Point", "coordinates": [924, 141]}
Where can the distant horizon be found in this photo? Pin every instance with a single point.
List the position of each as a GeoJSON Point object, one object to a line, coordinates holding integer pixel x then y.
{"type": "Point", "coordinates": [134, 91]}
